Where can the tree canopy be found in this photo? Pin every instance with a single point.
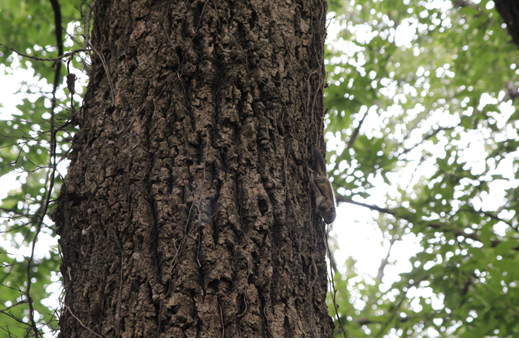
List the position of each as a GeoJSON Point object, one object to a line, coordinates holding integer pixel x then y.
{"type": "Point", "coordinates": [420, 101]}
{"type": "Point", "coordinates": [421, 129]}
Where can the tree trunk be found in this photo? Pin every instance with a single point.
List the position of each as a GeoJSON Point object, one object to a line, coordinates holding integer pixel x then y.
{"type": "Point", "coordinates": [187, 209]}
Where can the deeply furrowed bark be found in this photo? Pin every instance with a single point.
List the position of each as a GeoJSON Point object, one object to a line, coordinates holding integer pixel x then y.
{"type": "Point", "coordinates": [186, 210]}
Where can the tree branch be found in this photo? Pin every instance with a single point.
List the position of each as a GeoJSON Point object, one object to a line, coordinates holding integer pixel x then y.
{"type": "Point", "coordinates": [440, 226]}
{"type": "Point", "coordinates": [70, 53]}
{"type": "Point", "coordinates": [356, 132]}
{"type": "Point", "coordinates": [425, 138]}
{"type": "Point", "coordinates": [52, 160]}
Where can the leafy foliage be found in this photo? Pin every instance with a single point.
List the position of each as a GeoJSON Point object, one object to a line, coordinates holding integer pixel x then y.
{"type": "Point", "coordinates": [25, 150]}
{"type": "Point", "coordinates": [431, 118]}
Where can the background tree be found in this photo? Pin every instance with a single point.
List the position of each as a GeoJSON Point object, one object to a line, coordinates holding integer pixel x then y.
{"type": "Point", "coordinates": [428, 120]}
{"type": "Point", "coordinates": [33, 140]}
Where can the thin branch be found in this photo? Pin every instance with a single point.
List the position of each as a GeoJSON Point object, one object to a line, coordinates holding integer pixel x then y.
{"type": "Point", "coordinates": [397, 308]}
{"type": "Point", "coordinates": [341, 198]}
{"type": "Point", "coordinates": [444, 227]}
{"type": "Point", "coordinates": [57, 23]}
{"type": "Point", "coordinates": [356, 132]}
{"type": "Point", "coordinates": [52, 159]}
{"type": "Point", "coordinates": [350, 142]}
{"type": "Point", "coordinates": [107, 71]}
{"type": "Point", "coordinates": [495, 217]}
{"type": "Point", "coordinates": [385, 261]}
{"type": "Point", "coordinates": [70, 53]}
{"type": "Point", "coordinates": [3, 311]}
{"type": "Point", "coordinates": [87, 24]}
{"type": "Point", "coordinates": [80, 322]}
{"type": "Point", "coordinates": [425, 138]}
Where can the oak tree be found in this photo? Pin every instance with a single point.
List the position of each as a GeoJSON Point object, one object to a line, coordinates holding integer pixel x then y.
{"type": "Point", "coordinates": [186, 210]}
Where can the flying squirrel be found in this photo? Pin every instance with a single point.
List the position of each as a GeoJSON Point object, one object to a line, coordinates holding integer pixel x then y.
{"type": "Point", "coordinates": [322, 188]}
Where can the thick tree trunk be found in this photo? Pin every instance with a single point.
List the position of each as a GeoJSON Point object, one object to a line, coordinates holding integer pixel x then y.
{"type": "Point", "coordinates": [187, 209]}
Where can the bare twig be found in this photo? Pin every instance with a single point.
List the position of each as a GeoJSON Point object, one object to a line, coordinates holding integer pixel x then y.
{"type": "Point", "coordinates": [398, 305]}
{"type": "Point", "coordinates": [341, 198]}
{"type": "Point", "coordinates": [65, 55]}
{"type": "Point", "coordinates": [355, 133]}
{"type": "Point", "coordinates": [425, 138]}
{"type": "Point", "coordinates": [52, 160]}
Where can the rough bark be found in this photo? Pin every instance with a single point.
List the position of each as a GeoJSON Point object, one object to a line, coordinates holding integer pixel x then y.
{"type": "Point", "coordinates": [187, 210]}
{"type": "Point", "coordinates": [509, 11]}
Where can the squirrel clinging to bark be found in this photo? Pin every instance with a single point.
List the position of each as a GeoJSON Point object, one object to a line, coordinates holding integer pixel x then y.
{"type": "Point", "coordinates": [322, 188]}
